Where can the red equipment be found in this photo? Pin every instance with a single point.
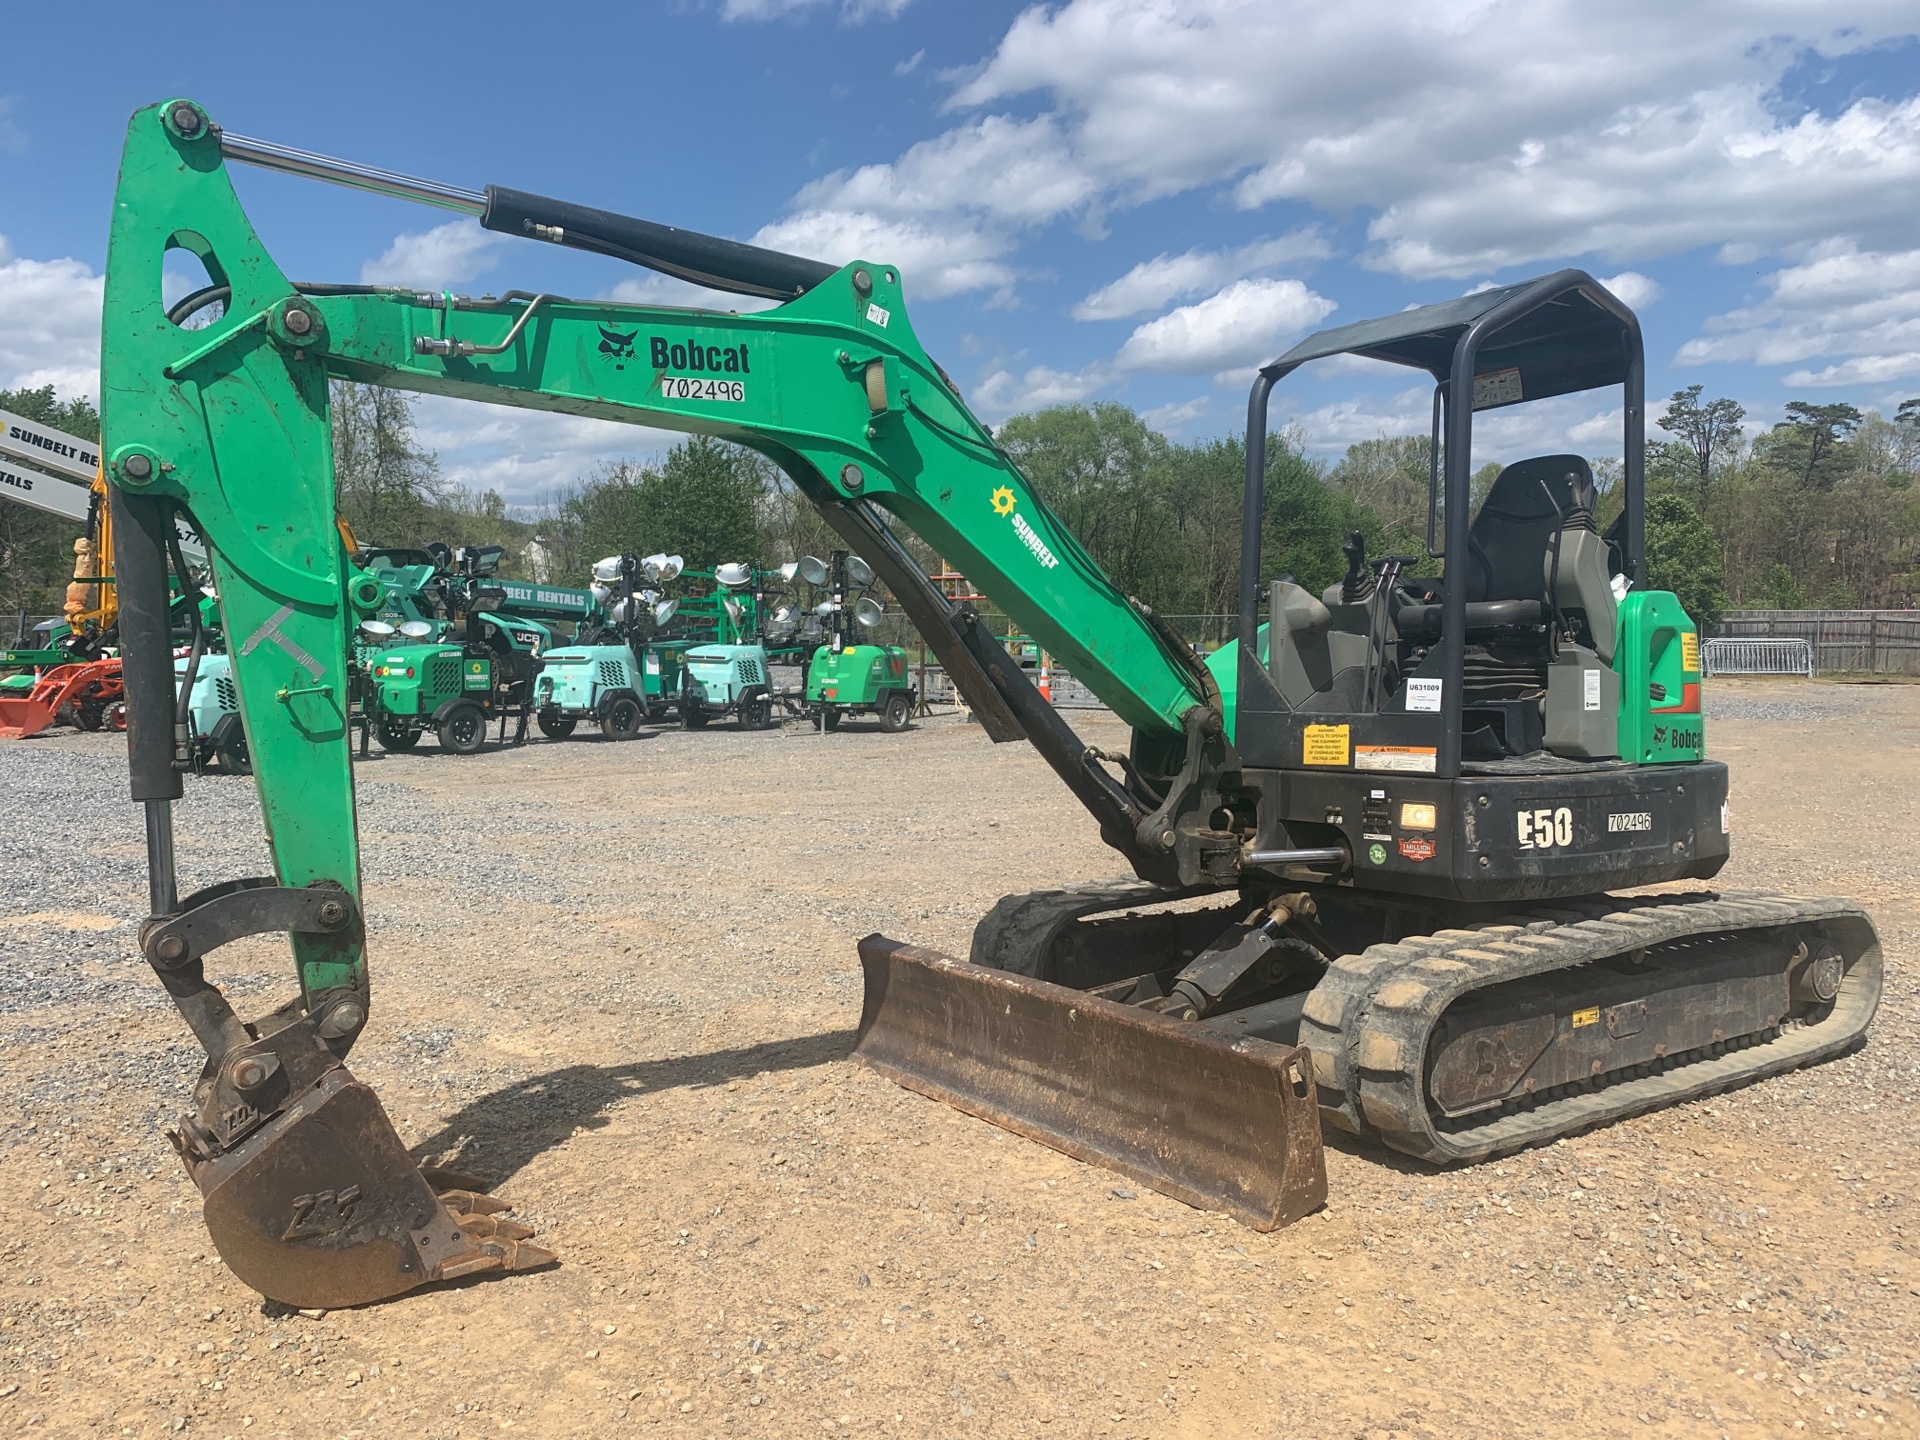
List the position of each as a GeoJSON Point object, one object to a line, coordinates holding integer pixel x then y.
{"type": "Point", "coordinates": [82, 694]}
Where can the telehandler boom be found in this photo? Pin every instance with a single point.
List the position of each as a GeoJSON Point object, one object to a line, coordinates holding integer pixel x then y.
{"type": "Point", "coordinates": [1412, 794]}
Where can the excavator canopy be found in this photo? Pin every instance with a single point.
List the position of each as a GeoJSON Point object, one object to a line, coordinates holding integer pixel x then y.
{"type": "Point", "coordinates": [1570, 334]}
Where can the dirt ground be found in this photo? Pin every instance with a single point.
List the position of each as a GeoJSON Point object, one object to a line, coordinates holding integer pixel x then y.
{"type": "Point", "coordinates": [621, 981]}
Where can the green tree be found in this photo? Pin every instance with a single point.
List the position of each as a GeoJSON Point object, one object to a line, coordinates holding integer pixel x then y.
{"type": "Point", "coordinates": [1683, 555]}
{"type": "Point", "coordinates": [1711, 431]}
{"type": "Point", "coordinates": [36, 549]}
{"type": "Point", "coordinates": [386, 484]}
{"type": "Point", "coordinates": [1389, 477]}
{"type": "Point", "coordinates": [1100, 469]}
{"type": "Point", "coordinates": [1781, 591]}
{"type": "Point", "coordinates": [701, 503]}
{"type": "Point", "coordinates": [1813, 441]}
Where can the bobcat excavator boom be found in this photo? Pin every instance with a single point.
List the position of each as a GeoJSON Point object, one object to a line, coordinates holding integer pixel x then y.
{"type": "Point", "coordinates": [1167, 1044]}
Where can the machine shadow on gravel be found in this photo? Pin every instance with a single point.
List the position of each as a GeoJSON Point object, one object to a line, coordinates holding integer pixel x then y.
{"type": "Point", "coordinates": [498, 1134]}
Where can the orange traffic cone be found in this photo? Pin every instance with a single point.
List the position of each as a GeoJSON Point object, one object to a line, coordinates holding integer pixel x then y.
{"type": "Point", "coordinates": [1046, 679]}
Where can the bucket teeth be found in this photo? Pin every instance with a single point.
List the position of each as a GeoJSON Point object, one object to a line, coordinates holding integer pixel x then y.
{"type": "Point", "coordinates": [497, 1243]}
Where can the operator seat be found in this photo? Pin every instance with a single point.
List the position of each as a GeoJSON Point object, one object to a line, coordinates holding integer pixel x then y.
{"type": "Point", "coordinates": [1534, 540]}
{"type": "Point", "coordinates": [1532, 550]}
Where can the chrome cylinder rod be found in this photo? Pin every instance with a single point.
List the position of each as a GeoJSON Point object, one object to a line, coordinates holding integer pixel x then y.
{"type": "Point", "coordinates": [163, 891]}
{"type": "Point", "coordinates": [284, 158]}
{"type": "Point", "coordinates": [1276, 859]}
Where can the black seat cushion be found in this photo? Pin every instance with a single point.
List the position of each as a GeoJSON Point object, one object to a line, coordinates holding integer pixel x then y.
{"type": "Point", "coordinates": [1507, 546]}
{"type": "Point", "coordinates": [1422, 622]}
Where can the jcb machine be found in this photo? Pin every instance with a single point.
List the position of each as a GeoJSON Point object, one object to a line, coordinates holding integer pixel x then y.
{"type": "Point", "coordinates": [846, 676]}
{"type": "Point", "coordinates": [1408, 799]}
{"type": "Point", "coordinates": [457, 685]}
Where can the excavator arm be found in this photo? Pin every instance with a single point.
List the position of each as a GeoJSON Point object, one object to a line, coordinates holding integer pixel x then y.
{"type": "Point", "coordinates": [309, 1192]}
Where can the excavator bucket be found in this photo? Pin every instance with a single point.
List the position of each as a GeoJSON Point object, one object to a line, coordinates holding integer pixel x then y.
{"type": "Point", "coordinates": [322, 1207]}
{"type": "Point", "coordinates": [1224, 1124]}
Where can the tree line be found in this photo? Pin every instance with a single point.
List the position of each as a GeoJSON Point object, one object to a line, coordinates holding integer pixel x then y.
{"type": "Point", "coordinates": [1819, 510]}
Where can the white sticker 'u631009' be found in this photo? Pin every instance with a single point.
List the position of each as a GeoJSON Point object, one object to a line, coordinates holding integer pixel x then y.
{"type": "Point", "coordinates": [1425, 694]}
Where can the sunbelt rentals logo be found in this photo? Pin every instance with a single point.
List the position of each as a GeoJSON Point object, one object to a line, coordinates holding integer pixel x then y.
{"type": "Point", "coordinates": [1004, 503]}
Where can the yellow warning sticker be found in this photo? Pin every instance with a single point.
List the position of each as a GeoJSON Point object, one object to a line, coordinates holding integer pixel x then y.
{"type": "Point", "coordinates": [1588, 1016]}
{"type": "Point", "coordinates": [1324, 745]}
{"type": "Point", "coordinates": [1690, 652]}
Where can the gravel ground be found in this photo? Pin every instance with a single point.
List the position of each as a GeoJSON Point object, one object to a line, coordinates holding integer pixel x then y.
{"type": "Point", "coordinates": [621, 981]}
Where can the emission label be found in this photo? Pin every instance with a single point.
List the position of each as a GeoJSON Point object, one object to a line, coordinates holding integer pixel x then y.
{"type": "Point", "coordinates": [1410, 759]}
{"type": "Point", "coordinates": [1324, 745]}
{"type": "Point", "coordinates": [1425, 695]}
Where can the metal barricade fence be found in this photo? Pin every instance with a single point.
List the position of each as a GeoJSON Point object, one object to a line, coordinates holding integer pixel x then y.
{"type": "Point", "coordinates": [1756, 657]}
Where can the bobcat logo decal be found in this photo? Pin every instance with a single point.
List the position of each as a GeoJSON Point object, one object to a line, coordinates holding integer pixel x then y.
{"type": "Point", "coordinates": [617, 345]}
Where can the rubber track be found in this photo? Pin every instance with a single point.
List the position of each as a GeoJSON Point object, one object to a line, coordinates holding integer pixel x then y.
{"type": "Point", "coordinates": [1020, 929]}
{"type": "Point", "coordinates": [1369, 1020]}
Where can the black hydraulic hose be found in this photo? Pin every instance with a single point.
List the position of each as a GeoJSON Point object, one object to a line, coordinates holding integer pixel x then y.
{"type": "Point", "coordinates": [185, 308]}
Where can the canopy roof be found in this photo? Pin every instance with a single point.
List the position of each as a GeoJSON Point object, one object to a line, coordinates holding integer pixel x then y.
{"type": "Point", "coordinates": [1567, 333]}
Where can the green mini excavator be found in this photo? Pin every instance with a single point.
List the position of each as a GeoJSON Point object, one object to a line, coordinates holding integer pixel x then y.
{"type": "Point", "coordinates": [1377, 843]}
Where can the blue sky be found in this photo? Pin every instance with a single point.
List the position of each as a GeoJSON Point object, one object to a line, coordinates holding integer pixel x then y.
{"type": "Point", "coordinates": [1126, 199]}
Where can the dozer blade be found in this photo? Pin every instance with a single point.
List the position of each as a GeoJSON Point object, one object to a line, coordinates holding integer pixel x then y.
{"type": "Point", "coordinates": [323, 1207]}
{"type": "Point", "coordinates": [1229, 1125]}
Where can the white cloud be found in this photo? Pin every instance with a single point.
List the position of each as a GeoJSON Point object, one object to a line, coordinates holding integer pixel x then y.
{"type": "Point", "coordinates": [1634, 290]}
{"type": "Point", "coordinates": [933, 260]}
{"type": "Point", "coordinates": [1173, 418]}
{"type": "Point", "coordinates": [434, 259]}
{"type": "Point", "coordinates": [526, 455]}
{"type": "Point", "coordinates": [852, 12]}
{"type": "Point", "coordinates": [911, 63]}
{"type": "Point", "coordinates": [671, 293]}
{"type": "Point", "coordinates": [1015, 171]}
{"type": "Point", "coordinates": [1858, 307]}
{"type": "Point", "coordinates": [1004, 393]}
{"type": "Point", "coordinates": [1346, 422]}
{"type": "Point", "coordinates": [1244, 324]}
{"type": "Point", "coordinates": [49, 324]}
{"type": "Point", "coordinates": [1480, 136]}
{"type": "Point", "coordinates": [1563, 423]}
{"type": "Point", "coordinates": [1152, 283]}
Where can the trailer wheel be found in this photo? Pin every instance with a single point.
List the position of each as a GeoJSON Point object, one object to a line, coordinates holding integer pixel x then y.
{"type": "Point", "coordinates": [232, 758]}
{"type": "Point", "coordinates": [464, 730]}
{"type": "Point", "coordinates": [895, 713]}
{"type": "Point", "coordinates": [692, 717]}
{"type": "Point", "coordinates": [398, 735]}
{"type": "Point", "coordinates": [622, 720]}
{"type": "Point", "coordinates": [756, 714]}
{"type": "Point", "coordinates": [554, 725]}
{"type": "Point", "coordinates": [830, 717]}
